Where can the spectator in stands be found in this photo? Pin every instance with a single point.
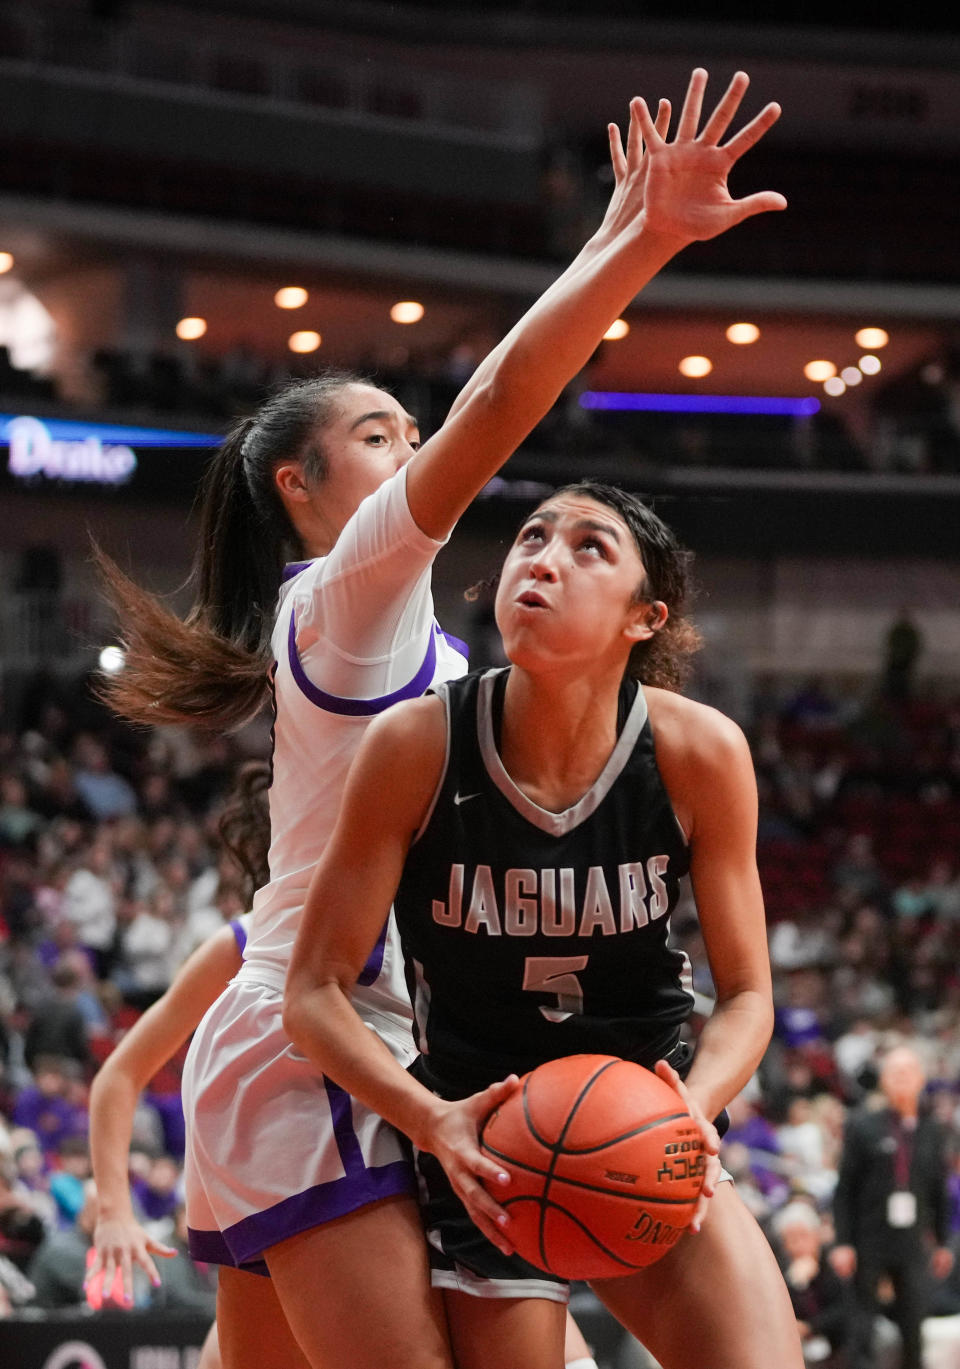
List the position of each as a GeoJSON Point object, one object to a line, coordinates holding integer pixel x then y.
{"type": "Point", "coordinates": [45, 1108]}
{"type": "Point", "coordinates": [18, 821]}
{"type": "Point", "coordinates": [58, 1267]}
{"type": "Point", "coordinates": [817, 1295]}
{"type": "Point", "coordinates": [59, 1024]}
{"type": "Point", "coordinates": [891, 1208]}
{"type": "Point", "coordinates": [90, 901]}
{"type": "Point", "coordinates": [22, 1228]}
{"type": "Point", "coordinates": [68, 1179]}
{"type": "Point", "coordinates": [106, 794]}
{"type": "Point", "coordinates": [903, 647]}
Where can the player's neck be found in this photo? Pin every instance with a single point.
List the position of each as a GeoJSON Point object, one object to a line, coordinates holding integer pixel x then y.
{"type": "Point", "coordinates": [558, 733]}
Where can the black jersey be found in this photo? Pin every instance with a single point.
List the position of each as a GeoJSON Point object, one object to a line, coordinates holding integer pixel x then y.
{"type": "Point", "coordinates": [527, 934]}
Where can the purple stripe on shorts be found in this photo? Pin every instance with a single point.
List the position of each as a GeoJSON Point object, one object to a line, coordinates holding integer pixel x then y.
{"type": "Point", "coordinates": [242, 1245]}
{"type": "Point", "coordinates": [211, 1248]}
{"type": "Point", "coordinates": [341, 1111]}
{"type": "Point", "coordinates": [360, 708]}
{"type": "Point", "coordinates": [239, 935]}
{"type": "Point", "coordinates": [374, 963]}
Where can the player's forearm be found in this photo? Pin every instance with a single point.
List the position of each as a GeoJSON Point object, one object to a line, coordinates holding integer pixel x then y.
{"type": "Point", "coordinates": [322, 1022]}
{"type": "Point", "coordinates": [556, 337]}
{"type": "Point", "coordinates": [113, 1102]}
{"type": "Point", "coordinates": [595, 245]}
{"type": "Point", "coordinates": [730, 1048]}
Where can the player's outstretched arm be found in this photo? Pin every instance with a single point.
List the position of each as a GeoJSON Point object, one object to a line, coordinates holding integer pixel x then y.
{"type": "Point", "coordinates": [119, 1241]}
{"type": "Point", "coordinates": [387, 795]}
{"type": "Point", "coordinates": [674, 195]}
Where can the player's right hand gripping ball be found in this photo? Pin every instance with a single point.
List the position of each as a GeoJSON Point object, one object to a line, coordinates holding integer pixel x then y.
{"type": "Point", "coordinates": [605, 1166]}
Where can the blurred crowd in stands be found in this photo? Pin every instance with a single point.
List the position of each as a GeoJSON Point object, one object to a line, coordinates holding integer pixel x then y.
{"type": "Point", "coordinates": [113, 868]}
{"type": "Point", "coordinates": [914, 429]}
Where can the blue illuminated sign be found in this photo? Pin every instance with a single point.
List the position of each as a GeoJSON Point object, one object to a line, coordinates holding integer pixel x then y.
{"type": "Point", "coordinates": [99, 453]}
{"type": "Point", "coordinates": [626, 401]}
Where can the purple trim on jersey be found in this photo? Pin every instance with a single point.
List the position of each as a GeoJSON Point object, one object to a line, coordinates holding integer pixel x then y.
{"type": "Point", "coordinates": [291, 569]}
{"type": "Point", "coordinates": [374, 963]}
{"type": "Point", "coordinates": [239, 935]}
{"type": "Point", "coordinates": [242, 1245]}
{"type": "Point", "coordinates": [455, 642]}
{"type": "Point", "coordinates": [360, 708]}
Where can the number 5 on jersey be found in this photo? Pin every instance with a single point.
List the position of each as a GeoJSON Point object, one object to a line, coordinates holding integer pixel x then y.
{"type": "Point", "coordinates": [556, 974]}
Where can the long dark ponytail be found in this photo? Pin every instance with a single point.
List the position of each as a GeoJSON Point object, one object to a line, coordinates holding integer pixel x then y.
{"type": "Point", "coordinates": [210, 668]}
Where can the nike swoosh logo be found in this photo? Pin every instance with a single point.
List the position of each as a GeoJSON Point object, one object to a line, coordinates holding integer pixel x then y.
{"type": "Point", "coordinates": [462, 798]}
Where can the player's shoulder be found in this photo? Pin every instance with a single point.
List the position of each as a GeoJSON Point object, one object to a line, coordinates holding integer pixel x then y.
{"type": "Point", "coordinates": [692, 732]}
{"type": "Point", "coordinates": [406, 725]}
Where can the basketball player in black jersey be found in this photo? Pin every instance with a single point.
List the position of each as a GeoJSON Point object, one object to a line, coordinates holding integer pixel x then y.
{"type": "Point", "coordinates": [532, 825]}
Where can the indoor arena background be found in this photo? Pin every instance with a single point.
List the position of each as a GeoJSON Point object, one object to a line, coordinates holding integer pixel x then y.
{"type": "Point", "coordinates": [412, 176]}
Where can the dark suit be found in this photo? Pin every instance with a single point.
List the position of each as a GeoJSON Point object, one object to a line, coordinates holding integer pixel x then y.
{"type": "Point", "coordinates": [882, 1156]}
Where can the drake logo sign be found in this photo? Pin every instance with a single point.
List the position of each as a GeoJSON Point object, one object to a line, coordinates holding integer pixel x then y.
{"type": "Point", "coordinates": [35, 451]}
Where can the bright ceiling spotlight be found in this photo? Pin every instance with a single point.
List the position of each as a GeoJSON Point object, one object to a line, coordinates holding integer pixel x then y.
{"type": "Point", "coordinates": [851, 375]}
{"type": "Point", "coordinates": [290, 297]}
{"type": "Point", "coordinates": [695, 367]}
{"type": "Point", "coordinates": [872, 338]}
{"type": "Point", "coordinates": [869, 365]}
{"type": "Point", "coordinates": [742, 333]}
{"type": "Point", "coordinates": [6, 262]}
{"type": "Point", "coordinates": [834, 386]}
{"type": "Point", "coordinates": [819, 370]}
{"type": "Point", "coordinates": [304, 341]}
{"type": "Point", "coordinates": [189, 329]}
{"type": "Point", "coordinates": [112, 659]}
{"type": "Point", "coordinates": [619, 328]}
{"type": "Point", "coordinates": [407, 311]}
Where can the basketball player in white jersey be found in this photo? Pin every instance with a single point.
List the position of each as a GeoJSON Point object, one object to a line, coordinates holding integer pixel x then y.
{"type": "Point", "coordinates": [286, 1173]}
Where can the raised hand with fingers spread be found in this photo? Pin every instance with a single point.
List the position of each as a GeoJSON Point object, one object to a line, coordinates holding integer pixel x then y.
{"type": "Point", "coordinates": [685, 193]}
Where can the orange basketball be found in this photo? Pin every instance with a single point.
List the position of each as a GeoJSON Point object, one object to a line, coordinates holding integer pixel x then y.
{"type": "Point", "coordinates": [605, 1166]}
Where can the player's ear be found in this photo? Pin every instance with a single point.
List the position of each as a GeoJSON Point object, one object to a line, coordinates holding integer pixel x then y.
{"type": "Point", "coordinates": [647, 618]}
{"type": "Point", "coordinates": [291, 482]}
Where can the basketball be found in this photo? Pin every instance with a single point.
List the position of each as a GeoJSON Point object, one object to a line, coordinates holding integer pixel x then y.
{"type": "Point", "coordinates": [605, 1166]}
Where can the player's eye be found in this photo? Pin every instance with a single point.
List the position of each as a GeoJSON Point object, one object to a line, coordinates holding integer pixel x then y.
{"type": "Point", "coordinates": [594, 544]}
{"type": "Point", "coordinates": [533, 532]}
{"type": "Point", "coordinates": [376, 439]}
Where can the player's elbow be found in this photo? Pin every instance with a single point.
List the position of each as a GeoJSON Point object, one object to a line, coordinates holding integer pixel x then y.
{"type": "Point", "coordinates": [304, 1005]}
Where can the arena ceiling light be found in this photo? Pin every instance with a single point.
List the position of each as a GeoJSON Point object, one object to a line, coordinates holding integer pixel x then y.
{"type": "Point", "coordinates": [306, 340]}
{"type": "Point", "coordinates": [872, 338]}
{"type": "Point", "coordinates": [407, 311]}
{"type": "Point", "coordinates": [851, 375]}
{"type": "Point", "coordinates": [834, 386]}
{"type": "Point", "coordinates": [695, 367]}
{"type": "Point", "coordinates": [189, 329]}
{"type": "Point", "coordinates": [819, 370]}
{"type": "Point", "coordinates": [112, 659]}
{"type": "Point", "coordinates": [742, 334]}
{"type": "Point", "coordinates": [6, 262]}
{"type": "Point", "coordinates": [618, 329]}
{"type": "Point", "coordinates": [869, 365]}
{"type": "Point", "coordinates": [291, 297]}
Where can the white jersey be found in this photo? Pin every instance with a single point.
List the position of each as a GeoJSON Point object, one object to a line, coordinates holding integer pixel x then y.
{"type": "Point", "coordinates": [355, 633]}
